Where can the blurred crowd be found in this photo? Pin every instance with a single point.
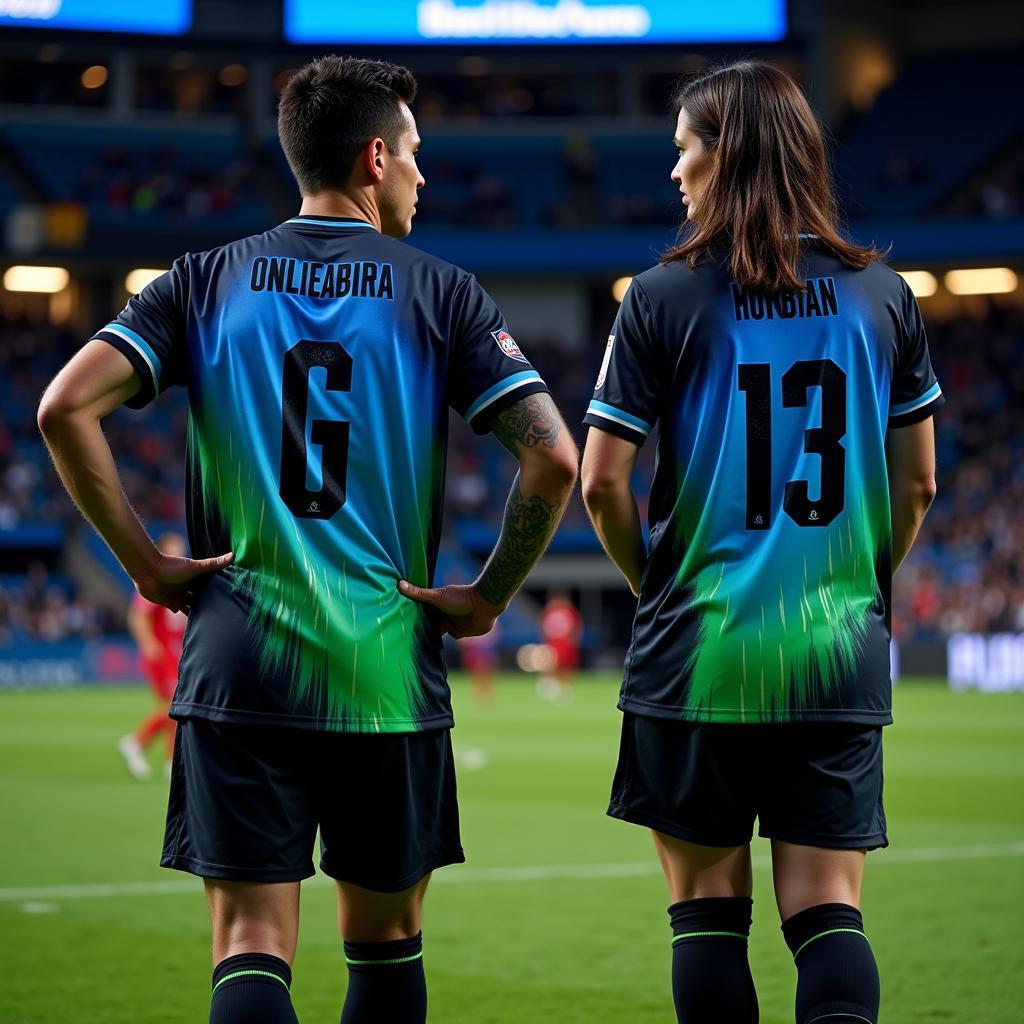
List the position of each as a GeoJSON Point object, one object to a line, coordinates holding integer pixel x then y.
{"type": "Point", "coordinates": [135, 180]}
{"type": "Point", "coordinates": [148, 444]}
{"type": "Point", "coordinates": [966, 572]}
{"type": "Point", "coordinates": [41, 608]}
{"type": "Point", "coordinates": [997, 193]}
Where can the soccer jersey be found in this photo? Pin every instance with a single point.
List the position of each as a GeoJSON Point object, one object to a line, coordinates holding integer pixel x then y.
{"type": "Point", "coordinates": [321, 359]}
{"type": "Point", "coordinates": [765, 596]}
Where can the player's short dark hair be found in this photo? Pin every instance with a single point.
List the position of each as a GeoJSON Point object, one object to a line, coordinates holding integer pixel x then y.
{"type": "Point", "coordinates": [333, 107]}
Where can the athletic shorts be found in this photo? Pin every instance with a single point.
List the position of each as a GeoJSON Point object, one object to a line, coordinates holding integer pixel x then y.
{"type": "Point", "coordinates": [246, 802]}
{"type": "Point", "coordinates": [807, 783]}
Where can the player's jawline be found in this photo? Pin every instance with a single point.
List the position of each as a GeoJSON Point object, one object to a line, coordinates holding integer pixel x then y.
{"type": "Point", "coordinates": [526, 873]}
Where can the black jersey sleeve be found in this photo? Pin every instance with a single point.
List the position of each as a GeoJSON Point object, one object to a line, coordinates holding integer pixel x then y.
{"type": "Point", "coordinates": [488, 371]}
{"type": "Point", "coordinates": [628, 390]}
{"type": "Point", "coordinates": [150, 333]}
{"type": "Point", "coordinates": [915, 394]}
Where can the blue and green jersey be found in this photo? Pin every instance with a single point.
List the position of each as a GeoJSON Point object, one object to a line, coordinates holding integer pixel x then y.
{"type": "Point", "coordinates": [321, 359]}
{"type": "Point", "coordinates": [766, 592]}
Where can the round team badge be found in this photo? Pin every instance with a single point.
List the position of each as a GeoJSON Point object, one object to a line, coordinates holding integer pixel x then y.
{"type": "Point", "coordinates": [508, 345]}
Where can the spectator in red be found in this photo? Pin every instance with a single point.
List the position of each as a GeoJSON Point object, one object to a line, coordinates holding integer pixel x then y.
{"type": "Point", "coordinates": [561, 627]}
{"type": "Point", "coordinates": [479, 656]}
{"type": "Point", "coordinates": [158, 632]}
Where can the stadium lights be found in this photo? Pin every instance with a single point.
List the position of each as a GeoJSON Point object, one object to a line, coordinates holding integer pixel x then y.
{"type": "Point", "coordinates": [620, 287]}
{"type": "Point", "coordinates": [35, 279]}
{"type": "Point", "coordinates": [981, 281]}
{"type": "Point", "coordinates": [231, 75]}
{"type": "Point", "coordinates": [95, 76]}
{"type": "Point", "coordinates": [138, 279]}
{"type": "Point", "coordinates": [922, 283]}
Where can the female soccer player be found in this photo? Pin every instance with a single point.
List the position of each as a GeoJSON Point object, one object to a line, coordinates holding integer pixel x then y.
{"type": "Point", "coordinates": [788, 372]}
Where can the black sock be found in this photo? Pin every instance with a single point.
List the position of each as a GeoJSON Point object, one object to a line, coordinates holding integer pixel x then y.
{"type": "Point", "coordinates": [385, 982]}
{"type": "Point", "coordinates": [711, 979]}
{"type": "Point", "coordinates": [252, 988]}
{"type": "Point", "coordinates": [837, 978]}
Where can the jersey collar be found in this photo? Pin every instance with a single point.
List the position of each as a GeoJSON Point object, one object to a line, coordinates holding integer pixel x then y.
{"type": "Point", "coordinates": [342, 223]}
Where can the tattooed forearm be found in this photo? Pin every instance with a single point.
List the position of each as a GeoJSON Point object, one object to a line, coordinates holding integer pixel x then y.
{"type": "Point", "coordinates": [531, 421]}
{"type": "Point", "coordinates": [528, 526]}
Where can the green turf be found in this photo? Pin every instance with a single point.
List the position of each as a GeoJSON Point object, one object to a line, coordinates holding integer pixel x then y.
{"type": "Point", "coordinates": [947, 932]}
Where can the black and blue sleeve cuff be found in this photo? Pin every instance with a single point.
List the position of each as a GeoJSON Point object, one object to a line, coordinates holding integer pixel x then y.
{"type": "Point", "coordinates": [907, 413]}
{"type": "Point", "coordinates": [618, 422]}
{"type": "Point", "coordinates": [140, 354]}
{"type": "Point", "coordinates": [500, 396]}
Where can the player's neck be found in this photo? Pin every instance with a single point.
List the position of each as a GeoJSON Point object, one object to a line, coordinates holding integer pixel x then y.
{"type": "Point", "coordinates": [340, 204]}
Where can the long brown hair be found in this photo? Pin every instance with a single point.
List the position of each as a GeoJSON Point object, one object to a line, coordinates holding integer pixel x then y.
{"type": "Point", "coordinates": [769, 179]}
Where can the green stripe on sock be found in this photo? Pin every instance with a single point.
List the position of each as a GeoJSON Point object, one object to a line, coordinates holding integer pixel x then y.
{"type": "Point", "coordinates": [396, 960]}
{"type": "Point", "coordinates": [242, 974]}
{"type": "Point", "coordinates": [702, 935]}
{"type": "Point", "coordinates": [831, 931]}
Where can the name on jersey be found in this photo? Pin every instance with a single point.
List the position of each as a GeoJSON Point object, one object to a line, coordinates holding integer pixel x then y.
{"type": "Point", "coordinates": [818, 299]}
{"type": "Point", "coordinates": [361, 279]}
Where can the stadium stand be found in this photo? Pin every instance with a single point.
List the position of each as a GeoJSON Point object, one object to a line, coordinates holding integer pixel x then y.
{"type": "Point", "coordinates": [553, 171]}
{"type": "Point", "coordinates": [141, 176]}
{"type": "Point", "coordinates": [964, 573]}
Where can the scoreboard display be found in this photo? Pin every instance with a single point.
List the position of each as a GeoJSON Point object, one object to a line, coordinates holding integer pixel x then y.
{"type": "Point", "coordinates": [534, 22]}
{"type": "Point", "coordinates": [151, 17]}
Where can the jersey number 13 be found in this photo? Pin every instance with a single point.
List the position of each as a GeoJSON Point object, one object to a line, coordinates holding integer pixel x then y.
{"type": "Point", "coordinates": [755, 380]}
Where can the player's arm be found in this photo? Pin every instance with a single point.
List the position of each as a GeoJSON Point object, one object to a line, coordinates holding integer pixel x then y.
{"type": "Point", "coordinates": [910, 456]}
{"type": "Point", "coordinates": [607, 468]}
{"type": "Point", "coordinates": [95, 382]}
{"type": "Point", "coordinates": [533, 431]}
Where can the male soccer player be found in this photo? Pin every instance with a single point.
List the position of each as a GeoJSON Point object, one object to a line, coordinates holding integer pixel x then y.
{"type": "Point", "coordinates": [158, 632]}
{"type": "Point", "coordinates": [321, 358]}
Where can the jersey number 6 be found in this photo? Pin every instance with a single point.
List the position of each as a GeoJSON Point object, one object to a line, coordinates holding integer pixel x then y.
{"type": "Point", "coordinates": [755, 380]}
{"type": "Point", "coordinates": [331, 435]}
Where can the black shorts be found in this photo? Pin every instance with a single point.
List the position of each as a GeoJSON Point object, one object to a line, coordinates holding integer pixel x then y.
{"type": "Point", "coordinates": [246, 802]}
{"type": "Point", "coordinates": [806, 783]}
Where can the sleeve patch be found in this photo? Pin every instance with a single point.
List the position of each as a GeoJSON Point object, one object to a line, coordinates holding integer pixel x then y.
{"type": "Point", "coordinates": [604, 364]}
{"type": "Point", "coordinates": [508, 345]}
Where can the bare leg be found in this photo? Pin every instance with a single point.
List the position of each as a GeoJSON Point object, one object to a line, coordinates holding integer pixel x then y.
{"type": "Point", "coordinates": [818, 893]}
{"type": "Point", "coordinates": [368, 916]}
{"type": "Point", "coordinates": [695, 872]}
{"type": "Point", "coordinates": [806, 876]}
{"type": "Point", "coordinates": [255, 930]}
{"type": "Point", "coordinates": [710, 890]}
{"type": "Point", "coordinates": [253, 917]}
{"type": "Point", "coordinates": [384, 953]}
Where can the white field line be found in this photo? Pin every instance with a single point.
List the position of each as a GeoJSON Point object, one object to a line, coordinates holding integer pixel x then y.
{"type": "Point", "coordinates": [527, 873]}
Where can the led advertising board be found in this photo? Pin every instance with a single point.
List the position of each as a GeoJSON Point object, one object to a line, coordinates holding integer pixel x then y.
{"type": "Point", "coordinates": [533, 22]}
{"type": "Point", "coordinates": [156, 17]}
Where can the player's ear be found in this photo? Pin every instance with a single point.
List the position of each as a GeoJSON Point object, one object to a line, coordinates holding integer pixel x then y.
{"type": "Point", "coordinates": [373, 158]}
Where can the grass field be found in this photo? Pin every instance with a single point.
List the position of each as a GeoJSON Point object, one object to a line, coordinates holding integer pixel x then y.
{"type": "Point", "coordinates": [560, 913]}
